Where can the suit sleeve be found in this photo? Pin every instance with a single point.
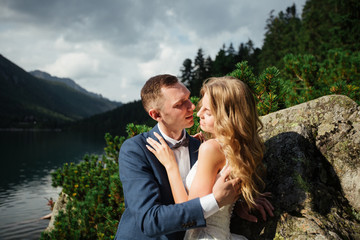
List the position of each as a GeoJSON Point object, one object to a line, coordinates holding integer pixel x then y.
{"type": "Point", "coordinates": [143, 196]}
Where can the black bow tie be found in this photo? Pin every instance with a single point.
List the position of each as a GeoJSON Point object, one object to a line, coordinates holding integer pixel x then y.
{"type": "Point", "coordinates": [184, 142]}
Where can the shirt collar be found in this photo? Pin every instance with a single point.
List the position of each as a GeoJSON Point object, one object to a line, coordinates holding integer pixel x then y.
{"type": "Point", "coordinates": [171, 140]}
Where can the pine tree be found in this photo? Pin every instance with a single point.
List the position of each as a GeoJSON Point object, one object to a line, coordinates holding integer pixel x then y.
{"type": "Point", "coordinates": [199, 73]}
{"type": "Point", "coordinates": [209, 66]}
{"type": "Point", "coordinates": [220, 68]}
{"type": "Point", "coordinates": [281, 37]}
{"type": "Point", "coordinates": [187, 72]}
{"type": "Point", "coordinates": [330, 24]}
{"type": "Point", "coordinates": [243, 53]}
{"type": "Point", "coordinates": [230, 59]}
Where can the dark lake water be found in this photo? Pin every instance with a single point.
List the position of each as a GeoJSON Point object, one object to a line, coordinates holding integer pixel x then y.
{"type": "Point", "coordinates": [27, 159]}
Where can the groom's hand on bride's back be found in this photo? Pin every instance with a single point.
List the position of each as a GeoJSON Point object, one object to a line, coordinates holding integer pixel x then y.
{"type": "Point", "coordinates": [262, 205]}
{"type": "Point", "coordinates": [226, 191]}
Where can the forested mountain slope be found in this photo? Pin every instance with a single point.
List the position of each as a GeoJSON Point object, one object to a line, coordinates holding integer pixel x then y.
{"type": "Point", "coordinates": [29, 102]}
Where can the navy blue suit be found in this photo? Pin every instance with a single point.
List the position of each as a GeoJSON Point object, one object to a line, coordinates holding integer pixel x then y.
{"type": "Point", "coordinates": [150, 212]}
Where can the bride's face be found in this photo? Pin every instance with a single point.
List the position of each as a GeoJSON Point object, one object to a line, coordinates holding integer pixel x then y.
{"type": "Point", "coordinates": [206, 116]}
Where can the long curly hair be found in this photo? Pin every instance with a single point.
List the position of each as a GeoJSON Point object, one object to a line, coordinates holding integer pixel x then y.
{"type": "Point", "coordinates": [237, 127]}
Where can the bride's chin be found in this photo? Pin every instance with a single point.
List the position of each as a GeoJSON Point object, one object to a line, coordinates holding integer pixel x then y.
{"type": "Point", "coordinates": [203, 129]}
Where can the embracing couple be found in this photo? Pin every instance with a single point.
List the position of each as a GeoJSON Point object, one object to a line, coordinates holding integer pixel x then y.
{"type": "Point", "coordinates": [175, 188]}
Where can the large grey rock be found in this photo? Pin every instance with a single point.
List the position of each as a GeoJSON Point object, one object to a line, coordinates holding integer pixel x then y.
{"type": "Point", "coordinates": [313, 172]}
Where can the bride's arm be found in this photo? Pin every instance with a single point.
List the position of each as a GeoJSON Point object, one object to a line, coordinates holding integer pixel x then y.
{"type": "Point", "coordinates": [167, 158]}
{"type": "Point", "coordinates": [177, 187]}
{"type": "Point", "coordinates": [210, 160]}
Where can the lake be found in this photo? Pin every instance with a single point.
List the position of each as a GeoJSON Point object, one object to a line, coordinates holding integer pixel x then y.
{"type": "Point", "coordinates": [27, 159]}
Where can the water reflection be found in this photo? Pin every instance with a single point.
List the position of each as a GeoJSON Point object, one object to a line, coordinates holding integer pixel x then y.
{"type": "Point", "coordinates": [25, 181]}
{"type": "Point", "coordinates": [22, 207]}
{"type": "Point", "coordinates": [27, 156]}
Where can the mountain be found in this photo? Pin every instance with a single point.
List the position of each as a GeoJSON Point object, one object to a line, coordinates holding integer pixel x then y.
{"type": "Point", "coordinates": [30, 102]}
{"type": "Point", "coordinates": [115, 121]}
{"type": "Point", "coordinates": [69, 82]}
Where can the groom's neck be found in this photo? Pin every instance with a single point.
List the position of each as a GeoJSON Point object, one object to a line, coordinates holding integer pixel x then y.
{"type": "Point", "coordinates": [175, 134]}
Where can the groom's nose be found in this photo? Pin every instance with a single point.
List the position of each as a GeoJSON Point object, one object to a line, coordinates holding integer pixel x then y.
{"type": "Point", "coordinates": [190, 105]}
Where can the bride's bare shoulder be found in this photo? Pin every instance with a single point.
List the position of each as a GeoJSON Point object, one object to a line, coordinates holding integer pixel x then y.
{"type": "Point", "coordinates": [210, 143]}
{"type": "Point", "coordinates": [211, 147]}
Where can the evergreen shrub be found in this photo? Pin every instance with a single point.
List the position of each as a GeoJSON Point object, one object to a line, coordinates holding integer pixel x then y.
{"type": "Point", "coordinates": [95, 191]}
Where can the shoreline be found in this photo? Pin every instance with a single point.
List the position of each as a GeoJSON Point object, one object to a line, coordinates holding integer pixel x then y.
{"type": "Point", "coordinates": [31, 130]}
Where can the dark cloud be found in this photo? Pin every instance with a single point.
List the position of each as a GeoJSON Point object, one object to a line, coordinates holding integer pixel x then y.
{"type": "Point", "coordinates": [126, 41]}
{"type": "Point", "coordinates": [132, 22]}
{"type": "Point", "coordinates": [118, 21]}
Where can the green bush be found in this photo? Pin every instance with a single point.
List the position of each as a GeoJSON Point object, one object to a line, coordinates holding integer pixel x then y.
{"type": "Point", "coordinates": [302, 79]}
{"type": "Point", "coordinates": [308, 78]}
{"type": "Point", "coordinates": [95, 191]}
{"type": "Point", "coordinates": [96, 199]}
{"type": "Point", "coordinates": [268, 88]}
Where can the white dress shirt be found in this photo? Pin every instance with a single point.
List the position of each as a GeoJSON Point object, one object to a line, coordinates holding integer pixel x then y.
{"type": "Point", "coordinates": [208, 202]}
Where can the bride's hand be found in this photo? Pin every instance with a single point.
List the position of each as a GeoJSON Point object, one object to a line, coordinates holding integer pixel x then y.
{"type": "Point", "coordinates": [162, 151]}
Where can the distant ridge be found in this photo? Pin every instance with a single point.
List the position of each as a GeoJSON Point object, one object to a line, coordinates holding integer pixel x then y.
{"type": "Point", "coordinates": [68, 81]}
{"type": "Point", "coordinates": [30, 102]}
{"type": "Point", "coordinates": [115, 121]}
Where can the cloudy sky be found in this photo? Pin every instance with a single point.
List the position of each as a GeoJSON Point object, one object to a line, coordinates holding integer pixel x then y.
{"type": "Point", "coordinates": [112, 47]}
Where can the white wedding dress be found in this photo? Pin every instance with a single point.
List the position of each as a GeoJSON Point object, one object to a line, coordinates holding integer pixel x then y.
{"type": "Point", "coordinates": [218, 224]}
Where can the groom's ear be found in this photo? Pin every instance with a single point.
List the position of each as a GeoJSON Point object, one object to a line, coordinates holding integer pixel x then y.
{"type": "Point", "coordinates": [154, 114]}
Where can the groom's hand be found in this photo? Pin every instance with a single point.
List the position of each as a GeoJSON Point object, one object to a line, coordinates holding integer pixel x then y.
{"type": "Point", "coordinates": [262, 205]}
{"type": "Point", "coordinates": [226, 191]}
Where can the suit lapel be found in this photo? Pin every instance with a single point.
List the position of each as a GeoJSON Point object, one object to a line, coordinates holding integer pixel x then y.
{"type": "Point", "coordinates": [154, 129]}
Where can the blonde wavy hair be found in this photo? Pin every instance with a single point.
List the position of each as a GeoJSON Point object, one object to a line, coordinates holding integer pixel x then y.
{"type": "Point", "coordinates": [237, 127]}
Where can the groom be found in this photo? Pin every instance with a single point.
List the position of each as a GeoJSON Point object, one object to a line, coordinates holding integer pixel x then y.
{"type": "Point", "coordinates": [150, 212]}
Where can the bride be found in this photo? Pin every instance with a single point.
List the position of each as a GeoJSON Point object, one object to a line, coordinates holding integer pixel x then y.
{"type": "Point", "coordinates": [228, 113]}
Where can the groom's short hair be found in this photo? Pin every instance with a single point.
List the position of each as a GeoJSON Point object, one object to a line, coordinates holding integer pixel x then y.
{"type": "Point", "coordinates": [151, 91]}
